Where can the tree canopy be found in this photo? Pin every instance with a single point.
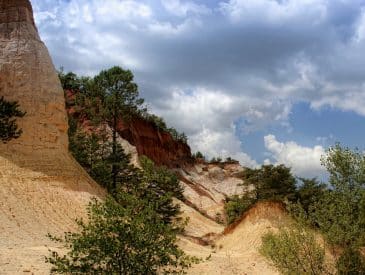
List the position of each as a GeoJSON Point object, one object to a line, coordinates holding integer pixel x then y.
{"type": "Point", "coordinates": [123, 235]}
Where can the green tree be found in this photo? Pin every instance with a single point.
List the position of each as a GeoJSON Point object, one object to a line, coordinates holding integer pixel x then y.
{"type": "Point", "coordinates": [198, 155]}
{"type": "Point", "coordinates": [340, 212]}
{"type": "Point", "coordinates": [121, 101]}
{"type": "Point", "coordinates": [309, 192]}
{"type": "Point", "coordinates": [164, 184]}
{"type": "Point", "coordinates": [271, 182]}
{"type": "Point", "coordinates": [294, 251]}
{"type": "Point", "coordinates": [9, 111]}
{"type": "Point", "coordinates": [124, 235]}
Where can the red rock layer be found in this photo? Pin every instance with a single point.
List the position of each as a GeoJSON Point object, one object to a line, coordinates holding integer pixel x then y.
{"type": "Point", "coordinates": [155, 144]}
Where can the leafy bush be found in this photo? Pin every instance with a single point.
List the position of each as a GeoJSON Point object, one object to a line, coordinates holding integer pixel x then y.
{"type": "Point", "coordinates": [309, 192]}
{"type": "Point", "coordinates": [351, 261]}
{"type": "Point", "coordinates": [124, 235]}
{"type": "Point", "coordinates": [236, 205]}
{"type": "Point", "coordinates": [9, 111]}
{"type": "Point", "coordinates": [294, 251]}
{"type": "Point", "coordinates": [270, 183]}
{"type": "Point", "coordinates": [340, 212]}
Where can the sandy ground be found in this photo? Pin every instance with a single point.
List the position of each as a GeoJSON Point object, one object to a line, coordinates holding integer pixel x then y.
{"type": "Point", "coordinates": [38, 195]}
{"type": "Point", "coordinates": [41, 195]}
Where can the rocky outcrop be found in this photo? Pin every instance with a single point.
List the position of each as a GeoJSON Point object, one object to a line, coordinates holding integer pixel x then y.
{"type": "Point", "coordinates": [42, 188]}
{"type": "Point", "coordinates": [28, 76]}
{"type": "Point", "coordinates": [149, 140]}
{"type": "Point", "coordinates": [155, 144]}
{"type": "Point", "coordinates": [207, 185]}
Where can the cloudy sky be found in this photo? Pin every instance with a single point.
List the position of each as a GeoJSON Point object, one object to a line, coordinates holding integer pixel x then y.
{"type": "Point", "coordinates": [262, 81]}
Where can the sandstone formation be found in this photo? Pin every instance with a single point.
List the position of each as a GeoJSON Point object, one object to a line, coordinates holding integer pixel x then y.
{"type": "Point", "coordinates": [148, 140]}
{"type": "Point", "coordinates": [42, 188]}
{"type": "Point", "coordinates": [236, 250]}
{"type": "Point", "coordinates": [208, 185]}
{"type": "Point", "coordinates": [155, 144]}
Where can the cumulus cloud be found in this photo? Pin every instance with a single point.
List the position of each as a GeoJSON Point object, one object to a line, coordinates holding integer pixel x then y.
{"type": "Point", "coordinates": [304, 161]}
{"type": "Point", "coordinates": [182, 8]}
{"type": "Point", "coordinates": [207, 116]}
{"type": "Point", "coordinates": [238, 65]}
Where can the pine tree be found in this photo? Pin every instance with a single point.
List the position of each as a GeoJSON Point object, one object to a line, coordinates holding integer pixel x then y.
{"type": "Point", "coordinates": [121, 101]}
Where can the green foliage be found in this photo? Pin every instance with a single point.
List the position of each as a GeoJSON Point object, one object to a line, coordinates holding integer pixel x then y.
{"type": "Point", "coordinates": [351, 262]}
{"type": "Point", "coordinates": [134, 231]}
{"type": "Point", "coordinates": [294, 251]}
{"type": "Point", "coordinates": [340, 212]}
{"type": "Point", "coordinates": [124, 235]}
{"type": "Point", "coordinates": [309, 192]}
{"type": "Point", "coordinates": [94, 153]}
{"type": "Point", "coordinates": [119, 93]}
{"type": "Point", "coordinates": [229, 159]}
{"type": "Point", "coordinates": [162, 178]}
{"type": "Point", "coordinates": [338, 209]}
{"type": "Point", "coordinates": [198, 155]}
{"type": "Point", "coordinates": [236, 205]}
{"type": "Point", "coordinates": [69, 81]}
{"type": "Point", "coordinates": [271, 182]}
{"type": "Point", "coordinates": [160, 124]}
{"type": "Point", "coordinates": [9, 111]}
{"type": "Point", "coordinates": [215, 160]}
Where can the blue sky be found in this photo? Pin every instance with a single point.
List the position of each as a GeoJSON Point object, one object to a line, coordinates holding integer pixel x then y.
{"type": "Point", "coordinates": [262, 81]}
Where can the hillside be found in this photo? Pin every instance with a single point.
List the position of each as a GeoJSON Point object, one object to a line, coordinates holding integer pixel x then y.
{"type": "Point", "coordinates": [43, 189]}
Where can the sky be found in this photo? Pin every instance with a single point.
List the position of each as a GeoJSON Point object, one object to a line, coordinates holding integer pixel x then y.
{"type": "Point", "coordinates": [261, 81]}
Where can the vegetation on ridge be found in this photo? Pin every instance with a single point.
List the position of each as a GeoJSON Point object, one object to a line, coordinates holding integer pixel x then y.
{"type": "Point", "coordinates": [94, 97]}
{"type": "Point", "coordinates": [134, 230]}
{"type": "Point", "coordinates": [336, 210]}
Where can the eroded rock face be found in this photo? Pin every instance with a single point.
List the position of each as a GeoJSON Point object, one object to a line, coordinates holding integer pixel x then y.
{"type": "Point", "coordinates": [42, 188]}
{"type": "Point", "coordinates": [28, 76]}
{"type": "Point", "coordinates": [157, 145]}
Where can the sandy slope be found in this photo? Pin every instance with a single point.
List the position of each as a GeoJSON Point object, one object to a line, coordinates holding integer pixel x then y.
{"type": "Point", "coordinates": [36, 198]}
{"type": "Point", "coordinates": [236, 250]}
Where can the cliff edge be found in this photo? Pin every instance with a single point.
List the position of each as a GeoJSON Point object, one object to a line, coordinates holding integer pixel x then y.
{"type": "Point", "coordinates": [42, 188]}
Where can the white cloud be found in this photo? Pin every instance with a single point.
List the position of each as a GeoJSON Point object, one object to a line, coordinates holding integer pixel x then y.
{"type": "Point", "coordinates": [304, 161]}
{"type": "Point", "coordinates": [219, 69]}
{"type": "Point", "coordinates": [182, 8]}
{"type": "Point", "coordinates": [206, 116]}
{"type": "Point", "coordinates": [314, 11]}
{"type": "Point", "coordinates": [220, 144]}
{"type": "Point", "coordinates": [167, 29]}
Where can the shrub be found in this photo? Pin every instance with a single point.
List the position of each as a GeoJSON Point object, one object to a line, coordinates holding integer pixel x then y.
{"type": "Point", "coordinates": [9, 111]}
{"type": "Point", "coordinates": [124, 235]}
{"type": "Point", "coordinates": [294, 251]}
{"type": "Point", "coordinates": [236, 205]}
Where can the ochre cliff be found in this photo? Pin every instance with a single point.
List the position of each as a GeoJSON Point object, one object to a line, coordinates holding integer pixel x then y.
{"type": "Point", "coordinates": [28, 76]}
{"type": "Point", "coordinates": [42, 188]}
{"type": "Point", "coordinates": [155, 144]}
